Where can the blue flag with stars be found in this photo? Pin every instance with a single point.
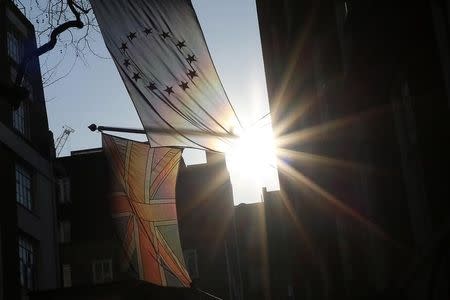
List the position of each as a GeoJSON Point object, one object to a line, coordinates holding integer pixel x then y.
{"type": "Point", "coordinates": [160, 52]}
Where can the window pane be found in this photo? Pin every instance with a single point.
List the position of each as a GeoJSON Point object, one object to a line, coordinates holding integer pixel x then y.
{"type": "Point", "coordinates": [27, 263]}
{"type": "Point", "coordinates": [22, 273]}
{"type": "Point", "coordinates": [67, 276]}
{"type": "Point", "coordinates": [190, 258]}
{"type": "Point", "coordinates": [65, 231]}
{"type": "Point", "coordinates": [102, 270]}
{"type": "Point", "coordinates": [23, 187]}
{"type": "Point", "coordinates": [64, 190]}
{"type": "Point", "coordinates": [14, 47]}
{"type": "Point", "coordinates": [27, 84]}
{"type": "Point", "coordinates": [20, 119]}
{"type": "Point", "coordinates": [98, 270]}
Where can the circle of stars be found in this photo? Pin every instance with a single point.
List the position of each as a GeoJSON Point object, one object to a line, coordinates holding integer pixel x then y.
{"type": "Point", "coordinates": [190, 58]}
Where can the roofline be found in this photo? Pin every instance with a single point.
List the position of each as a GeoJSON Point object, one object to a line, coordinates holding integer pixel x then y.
{"type": "Point", "coordinates": [86, 151]}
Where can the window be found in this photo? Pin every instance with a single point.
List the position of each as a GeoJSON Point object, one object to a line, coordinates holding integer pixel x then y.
{"type": "Point", "coordinates": [347, 9]}
{"type": "Point", "coordinates": [190, 257]}
{"type": "Point", "coordinates": [102, 270]}
{"type": "Point", "coordinates": [64, 231]}
{"type": "Point", "coordinates": [67, 275]}
{"type": "Point", "coordinates": [23, 187]}
{"type": "Point", "coordinates": [20, 119]}
{"type": "Point", "coordinates": [15, 47]}
{"type": "Point", "coordinates": [64, 190]}
{"type": "Point", "coordinates": [27, 263]}
{"type": "Point", "coordinates": [409, 113]}
{"type": "Point", "coordinates": [26, 82]}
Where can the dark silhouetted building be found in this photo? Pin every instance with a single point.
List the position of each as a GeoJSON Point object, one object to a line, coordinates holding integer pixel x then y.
{"type": "Point", "coordinates": [28, 243]}
{"type": "Point", "coordinates": [207, 227]}
{"type": "Point", "coordinates": [90, 249]}
{"type": "Point", "coordinates": [120, 290]}
{"type": "Point", "coordinates": [263, 247]}
{"type": "Point", "coordinates": [276, 216]}
{"type": "Point", "coordinates": [253, 251]}
{"type": "Point", "coordinates": [359, 94]}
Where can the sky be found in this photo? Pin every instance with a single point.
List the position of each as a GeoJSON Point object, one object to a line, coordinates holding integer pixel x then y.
{"type": "Point", "coordinates": [94, 93]}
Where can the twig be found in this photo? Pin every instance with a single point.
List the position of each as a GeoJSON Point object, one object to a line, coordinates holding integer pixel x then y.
{"type": "Point", "coordinates": [77, 23]}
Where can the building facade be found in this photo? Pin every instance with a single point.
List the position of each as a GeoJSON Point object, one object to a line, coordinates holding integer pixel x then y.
{"type": "Point", "coordinates": [253, 250]}
{"type": "Point", "coordinates": [207, 226]}
{"type": "Point", "coordinates": [89, 248]}
{"type": "Point", "coordinates": [91, 251]}
{"type": "Point", "coordinates": [28, 241]}
{"type": "Point", "coordinates": [361, 115]}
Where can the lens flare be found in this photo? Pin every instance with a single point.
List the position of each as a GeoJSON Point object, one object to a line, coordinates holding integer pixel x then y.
{"type": "Point", "coordinates": [251, 160]}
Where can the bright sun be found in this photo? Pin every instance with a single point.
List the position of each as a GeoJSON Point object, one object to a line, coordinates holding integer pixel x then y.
{"type": "Point", "coordinates": [251, 160]}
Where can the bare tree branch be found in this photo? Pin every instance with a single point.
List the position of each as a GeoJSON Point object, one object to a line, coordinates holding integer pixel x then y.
{"type": "Point", "coordinates": [77, 23]}
{"type": "Point", "coordinates": [56, 31]}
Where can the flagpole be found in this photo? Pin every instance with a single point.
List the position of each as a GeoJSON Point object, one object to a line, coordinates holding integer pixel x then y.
{"type": "Point", "coordinates": [94, 127]}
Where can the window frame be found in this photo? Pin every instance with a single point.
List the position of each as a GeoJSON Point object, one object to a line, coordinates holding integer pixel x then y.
{"type": "Point", "coordinates": [65, 231]}
{"type": "Point", "coordinates": [103, 278]}
{"type": "Point", "coordinates": [27, 82]}
{"type": "Point", "coordinates": [23, 173]}
{"type": "Point", "coordinates": [27, 247]}
{"type": "Point", "coordinates": [16, 40]}
{"type": "Point", "coordinates": [63, 188]}
{"type": "Point", "coordinates": [347, 8]}
{"type": "Point", "coordinates": [408, 113]}
{"type": "Point", "coordinates": [21, 119]}
{"type": "Point", "coordinates": [67, 275]}
{"type": "Point", "coordinates": [191, 262]}
{"type": "Point", "coordinates": [22, 126]}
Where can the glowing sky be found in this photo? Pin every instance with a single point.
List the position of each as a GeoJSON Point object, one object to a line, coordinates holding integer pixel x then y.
{"type": "Point", "coordinates": [94, 93]}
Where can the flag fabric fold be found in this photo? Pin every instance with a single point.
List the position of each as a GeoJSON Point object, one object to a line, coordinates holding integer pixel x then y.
{"type": "Point", "coordinates": [160, 52]}
{"type": "Point", "coordinates": [143, 208]}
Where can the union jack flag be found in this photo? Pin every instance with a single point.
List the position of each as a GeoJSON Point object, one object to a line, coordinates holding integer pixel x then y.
{"type": "Point", "coordinates": [144, 210]}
